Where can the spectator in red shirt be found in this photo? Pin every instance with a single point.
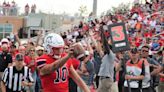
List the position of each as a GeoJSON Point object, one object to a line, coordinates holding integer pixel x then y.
{"type": "Point", "coordinates": [30, 61]}
{"type": "Point", "coordinates": [13, 51]}
{"type": "Point", "coordinates": [22, 50]}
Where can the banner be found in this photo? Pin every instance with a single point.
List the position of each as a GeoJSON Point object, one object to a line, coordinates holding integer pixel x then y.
{"type": "Point", "coordinates": [119, 37]}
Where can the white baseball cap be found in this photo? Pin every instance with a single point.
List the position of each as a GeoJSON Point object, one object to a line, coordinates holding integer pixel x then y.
{"type": "Point", "coordinates": [39, 48]}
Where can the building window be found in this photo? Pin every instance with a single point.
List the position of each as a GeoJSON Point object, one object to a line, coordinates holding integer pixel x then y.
{"type": "Point", "coordinates": [5, 30]}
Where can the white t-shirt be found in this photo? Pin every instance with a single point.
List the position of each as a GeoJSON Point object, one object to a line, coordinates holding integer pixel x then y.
{"type": "Point", "coordinates": [158, 28]}
{"type": "Point", "coordinates": [153, 23]}
{"type": "Point", "coordinates": [69, 36]}
{"type": "Point", "coordinates": [132, 23]}
{"type": "Point", "coordinates": [76, 33]}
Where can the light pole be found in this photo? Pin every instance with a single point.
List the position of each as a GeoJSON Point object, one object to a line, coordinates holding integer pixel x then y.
{"type": "Point", "coordinates": [94, 7]}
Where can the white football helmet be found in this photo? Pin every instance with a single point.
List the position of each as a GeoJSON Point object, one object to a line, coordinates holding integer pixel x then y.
{"type": "Point", "coordinates": [53, 40]}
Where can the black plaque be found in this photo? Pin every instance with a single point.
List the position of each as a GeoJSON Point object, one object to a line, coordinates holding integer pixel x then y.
{"type": "Point", "coordinates": [119, 37]}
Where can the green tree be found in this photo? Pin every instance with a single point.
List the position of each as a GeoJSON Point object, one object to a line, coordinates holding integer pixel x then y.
{"type": "Point", "coordinates": [82, 9]}
{"type": "Point", "coordinates": [121, 8]}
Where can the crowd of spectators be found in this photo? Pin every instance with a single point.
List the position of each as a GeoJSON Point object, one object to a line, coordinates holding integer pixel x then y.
{"type": "Point", "coordinates": [8, 9]}
{"type": "Point", "coordinates": [102, 71]}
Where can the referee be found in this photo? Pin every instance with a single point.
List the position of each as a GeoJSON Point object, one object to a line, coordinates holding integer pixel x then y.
{"type": "Point", "coordinates": [17, 77]}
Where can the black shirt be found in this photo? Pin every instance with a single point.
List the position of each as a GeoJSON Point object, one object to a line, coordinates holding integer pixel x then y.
{"type": "Point", "coordinates": [5, 59]}
{"type": "Point", "coordinates": [64, 36]}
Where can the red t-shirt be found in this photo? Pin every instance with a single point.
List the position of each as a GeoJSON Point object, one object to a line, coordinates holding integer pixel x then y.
{"type": "Point", "coordinates": [162, 79]}
{"type": "Point", "coordinates": [58, 80]}
{"type": "Point", "coordinates": [75, 63]}
{"type": "Point", "coordinates": [138, 41]}
{"type": "Point", "coordinates": [14, 54]}
{"type": "Point", "coordinates": [149, 34]}
{"type": "Point", "coordinates": [85, 28]}
{"type": "Point", "coordinates": [28, 60]}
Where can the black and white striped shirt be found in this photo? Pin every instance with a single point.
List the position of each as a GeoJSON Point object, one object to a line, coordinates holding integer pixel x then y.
{"type": "Point", "coordinates": [13, 78]}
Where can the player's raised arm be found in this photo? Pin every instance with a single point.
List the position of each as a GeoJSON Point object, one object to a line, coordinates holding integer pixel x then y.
{"type": "Point", "coordinates": [45, 68]}
{"type": "Point", "coordinates": [54, 45]}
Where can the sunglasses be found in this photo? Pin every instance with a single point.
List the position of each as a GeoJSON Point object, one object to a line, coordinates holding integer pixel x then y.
{"type": "Point", "coordinates": [40, 50]}
{"type": "Point", "coordinates": [4, 42]}
{"type": "Point", "coordinates": [32, 50]}
{"type": "Point", "coordinates": [145, 51]}
{"type": "Point", "coordinates": [20, 60]}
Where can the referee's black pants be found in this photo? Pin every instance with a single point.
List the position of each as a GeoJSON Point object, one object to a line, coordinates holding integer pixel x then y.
{"type": "Point", "coordinates": [149, 89]}
{"type": "Point", "coordinates": [132, 89]}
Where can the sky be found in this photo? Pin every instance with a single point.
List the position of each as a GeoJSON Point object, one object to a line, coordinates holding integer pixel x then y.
{"type": "Point", "coordinates": [69, 6]}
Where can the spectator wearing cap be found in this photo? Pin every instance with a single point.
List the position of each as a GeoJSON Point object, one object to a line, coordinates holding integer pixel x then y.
{"type": "Point", "coordinates": [135, 72]}
{"type": "Point", "coordinates": [21, 50]}
{"type": "Point", "coordinates": [39, 50]}
{"type": "Point", "coordinates": [5, 41]}
{"type": "Point", "coordinates": [13, 51]}
{"type": "Point", "coordinates": [16, 77]}
{"type": "Point", "coordinates": [5, 59]}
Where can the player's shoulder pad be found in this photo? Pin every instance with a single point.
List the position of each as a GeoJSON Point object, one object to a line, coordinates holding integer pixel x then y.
{"type": "Point", "coordinates": [41, 61]}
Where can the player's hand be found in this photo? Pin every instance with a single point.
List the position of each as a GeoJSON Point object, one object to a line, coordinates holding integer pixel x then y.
{"type": "Point", "coordinates": [24, 83]}
{"type": "Point", "coordinates": [70, 51]}
{"type": "Point", "coordinates": [127, 77]}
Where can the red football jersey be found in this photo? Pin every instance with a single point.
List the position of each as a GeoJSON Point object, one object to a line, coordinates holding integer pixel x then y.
{"type": "Point", "coordinates": [57, 81]}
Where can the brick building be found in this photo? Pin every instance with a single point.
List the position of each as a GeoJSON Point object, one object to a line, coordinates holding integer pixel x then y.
{"type": "Point", "coordinates": [10, 24]}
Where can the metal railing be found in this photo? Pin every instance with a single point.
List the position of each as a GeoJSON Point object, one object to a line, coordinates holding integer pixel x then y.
{"type": "Point", "coordinates": [9, 11]}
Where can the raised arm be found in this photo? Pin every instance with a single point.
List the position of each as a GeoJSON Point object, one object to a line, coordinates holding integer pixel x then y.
{"type": "Point", "coordinates": [48, 68]}
{"type": "Point", "coordinates": [39, 35]}
{"type": "Point", "coordinates": [17, 39]}
{"type": "Point", "coordinates": [97, 45]}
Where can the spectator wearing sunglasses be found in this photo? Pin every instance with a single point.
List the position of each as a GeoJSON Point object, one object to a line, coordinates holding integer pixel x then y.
{"type": "Point", "coordinates": [145, 54]}
{"type": "Point", "coordinates": [30, 61]}
{"type": "Point", "coordinates": [135, 72]}
{"type": "Point", "coordinates": [154, 67]}
{"type": "Point", "coordinates": [39, 50]}
{"type": "Point", "coordinates": [151, 67]}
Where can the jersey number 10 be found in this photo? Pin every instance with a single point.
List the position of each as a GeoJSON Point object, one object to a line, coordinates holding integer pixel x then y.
{"type": "Point", "coordinates": [61, 77]}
